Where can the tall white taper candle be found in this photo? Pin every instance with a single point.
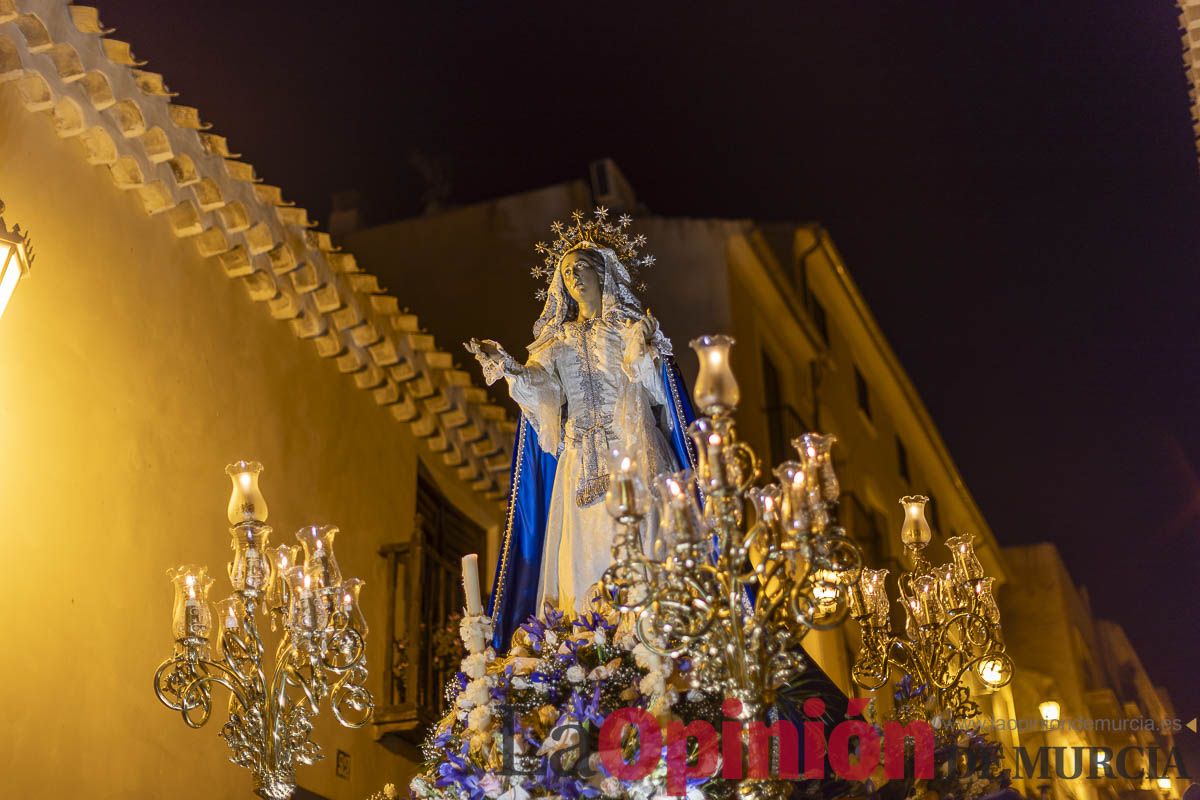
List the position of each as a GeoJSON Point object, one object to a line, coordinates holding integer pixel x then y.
{"type": "Point", "coordinates": [470, 572]}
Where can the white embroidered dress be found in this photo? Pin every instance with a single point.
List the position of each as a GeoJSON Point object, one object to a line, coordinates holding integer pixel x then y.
{"type": "Point", "coordinates": [587, 387]}
{"type": "Point", "coordinates": [592, 386]}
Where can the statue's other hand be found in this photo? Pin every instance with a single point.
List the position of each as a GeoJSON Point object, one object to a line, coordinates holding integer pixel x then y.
{"type": "Point", "coordinates": [647, 326]}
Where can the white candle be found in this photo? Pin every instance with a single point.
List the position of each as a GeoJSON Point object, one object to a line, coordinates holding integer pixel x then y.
{"type": "Point", "coordinates": [470, 572]}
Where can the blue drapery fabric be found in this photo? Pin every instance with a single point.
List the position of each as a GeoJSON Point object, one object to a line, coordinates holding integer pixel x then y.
{"type": "Point", "coordinates": [519, 568]}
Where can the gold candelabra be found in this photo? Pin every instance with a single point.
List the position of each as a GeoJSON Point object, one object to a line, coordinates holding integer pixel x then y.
{"type": "Point", "coordinates": [321, 653]}
{"type": "Point", "coordinates": [733, 595]}
{"type": "Point", "coordinates": [951, 625]}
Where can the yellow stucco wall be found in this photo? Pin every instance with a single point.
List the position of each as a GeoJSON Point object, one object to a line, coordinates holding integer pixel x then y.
{"type": "Point", "coordinates": [131, 372]}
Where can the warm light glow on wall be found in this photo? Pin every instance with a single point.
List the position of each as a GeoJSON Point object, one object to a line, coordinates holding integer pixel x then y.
{"type": "Point", "coordinates": [15, 259]}
{"type": "Point", "coordinates": [1049, 711]}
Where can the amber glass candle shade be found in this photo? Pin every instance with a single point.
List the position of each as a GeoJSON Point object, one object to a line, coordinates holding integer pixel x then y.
{"type": "Point", "coordinates": [246, 501]}
{"type": "Point", "coordinates": [716, 390]}
{"type": "Point", "coordinates": [915, 531]}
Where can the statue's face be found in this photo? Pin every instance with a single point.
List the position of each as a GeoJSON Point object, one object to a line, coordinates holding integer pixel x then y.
{"type": "Point", "coordinates": [581, 279]}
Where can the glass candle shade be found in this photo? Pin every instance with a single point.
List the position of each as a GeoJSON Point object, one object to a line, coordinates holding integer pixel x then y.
{"type": "Point", "coordinates": [246, 501]}
{"type": "Point", "coordinates": [915, 531]}
{"type": "Point", "coordinates": [962, 548]}
{"type": "Point", "coordinates": [283, 558]}
{"type": "Point", "coordinates": [767, 501]}
{"type": "Point", "coordinates": [716, 390]}
{"type": "Point", "coordinates": [874, 592]}
{"type": "Point", "coordinates": [680, 522]}
{"type": "Point", "coordinates": [626, 496]}
{"type": "Point", "coordinates": [930, 606]}
{"type": "Point", "coordinates": [814, 450]}
{"type": "Point", "coordinates": [250, 570]}
{"type": "Point", "coordinates": [229, 620]}
{"type": "Point", "coordinates": [793, 510]}
{"type": "Point", "coordinates": [1050, 711]}
{"type": "Point", "coordinates": [987, 602]}
{"type": "Point", "coordinates": [351, 607]}
{"type": "Point", "coordinates": [954, 591]}
{"type": "Point", "coordinates": [307, 613]}
{"type": "Point", "coordinates": [825, 590]}
{"type": "Point", "coordinates": [710, 439]}
{"type": "Point", "coordinates": [191, 614]}
{"type": "Point", "coordinates": [319, 562]}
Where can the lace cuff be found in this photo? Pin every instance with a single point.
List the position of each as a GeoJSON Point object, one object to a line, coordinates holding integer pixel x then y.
{"type": "Point", "coordinates": [496, 367]}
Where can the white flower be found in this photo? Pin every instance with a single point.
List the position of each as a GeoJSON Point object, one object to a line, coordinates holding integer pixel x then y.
{"type": "Point", "coordinates": [551, 638]}
{"type": "Point", "coordinates": [611, 787]}
{"type": "Point", "coordinates": [476, 694]}
{"type": "Point", "coordinates": [475, 665]}
{"type": "Point", "coordinates": [600, 637]}
{"type": "Point", "coordinates": [480, 718]}
{"type": "Point", "coordinates": [515, 793]}
{"type": "Point", "coordinates": [563, 737]}
{"type": "Point", "coordinates": [473, 630]}
{"type": "Point", "coordinates": [645, 658]}
{"type": "Point", "coordinates": [575, 674]}
{"type": "Point", "coordinates": [519, 683]}
{"type": "Point", "coordinates": [652, 684]}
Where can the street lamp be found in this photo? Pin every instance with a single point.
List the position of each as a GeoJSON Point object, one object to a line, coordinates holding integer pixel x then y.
{"type": "Point", "coordinates": [16, 257]}
{"type": "Point", "coordinates": [1050, 711]}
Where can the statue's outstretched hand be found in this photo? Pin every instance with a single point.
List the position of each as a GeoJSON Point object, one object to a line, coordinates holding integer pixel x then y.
{"type": "Point", "coordinates": [492, 357]}
{"type": "Point", "coordinates": [485, 349]}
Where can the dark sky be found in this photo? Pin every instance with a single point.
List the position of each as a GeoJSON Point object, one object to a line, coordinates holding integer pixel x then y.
{"type": "Point", "coordinates": [1013, 185]}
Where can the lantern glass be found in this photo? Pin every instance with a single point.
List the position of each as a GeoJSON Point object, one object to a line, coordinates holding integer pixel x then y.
{"type": "Point", "coordinates": [250, 570]}
{"type": "Point", "coordinates": [352, 608]}
{"type": "Point", "coordinates": [915, 532]}
{"type": "Point", "coordinates": [191, 614]}
{"type": "Point", "coordinates": [962, 549]}
{"type": "Point", "coordinates": [716, 390]}
{"type": "Point", "coordinates": [246, 501]}
{"type": "Point", "coordinates": [626, 494]}
{"type": "Point", "coordinates": [680, 522]}
{"type": "Point", "coordinates": [308, 613]}
{"type": "Point", "coordinates": [319, 562]}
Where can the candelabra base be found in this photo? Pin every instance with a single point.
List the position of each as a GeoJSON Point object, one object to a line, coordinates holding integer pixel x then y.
{"type": "Point", "coordinates": [275, 785]}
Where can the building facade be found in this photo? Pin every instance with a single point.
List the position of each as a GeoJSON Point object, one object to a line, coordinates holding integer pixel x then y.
{"type": "Point", "coordinates": [179, 316]}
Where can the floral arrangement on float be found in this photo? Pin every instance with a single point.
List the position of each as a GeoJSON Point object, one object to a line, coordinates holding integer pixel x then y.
{"type": "Point", "coordinates": [528, 724]}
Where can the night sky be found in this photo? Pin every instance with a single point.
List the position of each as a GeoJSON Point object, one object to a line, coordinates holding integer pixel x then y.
{"type": "Point", "coordinates": [1013, 186]}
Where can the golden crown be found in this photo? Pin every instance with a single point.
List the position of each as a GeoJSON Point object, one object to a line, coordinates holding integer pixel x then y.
{"type": "Point", "coordinates": [598, 232]}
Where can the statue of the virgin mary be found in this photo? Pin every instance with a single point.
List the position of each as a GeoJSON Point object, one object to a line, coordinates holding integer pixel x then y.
{"type": "Point", "coordinates": [599, 375]}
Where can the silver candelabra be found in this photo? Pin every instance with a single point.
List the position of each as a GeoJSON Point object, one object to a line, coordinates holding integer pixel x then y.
{"type": "Point", "coordinates": [951, 625]}
{"type": "Point", "coordinates": [320, 654]}
{"type": "Point", "coordinates": [733, 595]}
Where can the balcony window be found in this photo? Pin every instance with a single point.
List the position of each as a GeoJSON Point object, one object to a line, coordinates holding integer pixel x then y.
{"type": "Point", "coordinates": [424, 591]}
{"type": "Point", "coordinates": [863, 392]}
{"type": "Point", "coordinates": [902, 460]}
